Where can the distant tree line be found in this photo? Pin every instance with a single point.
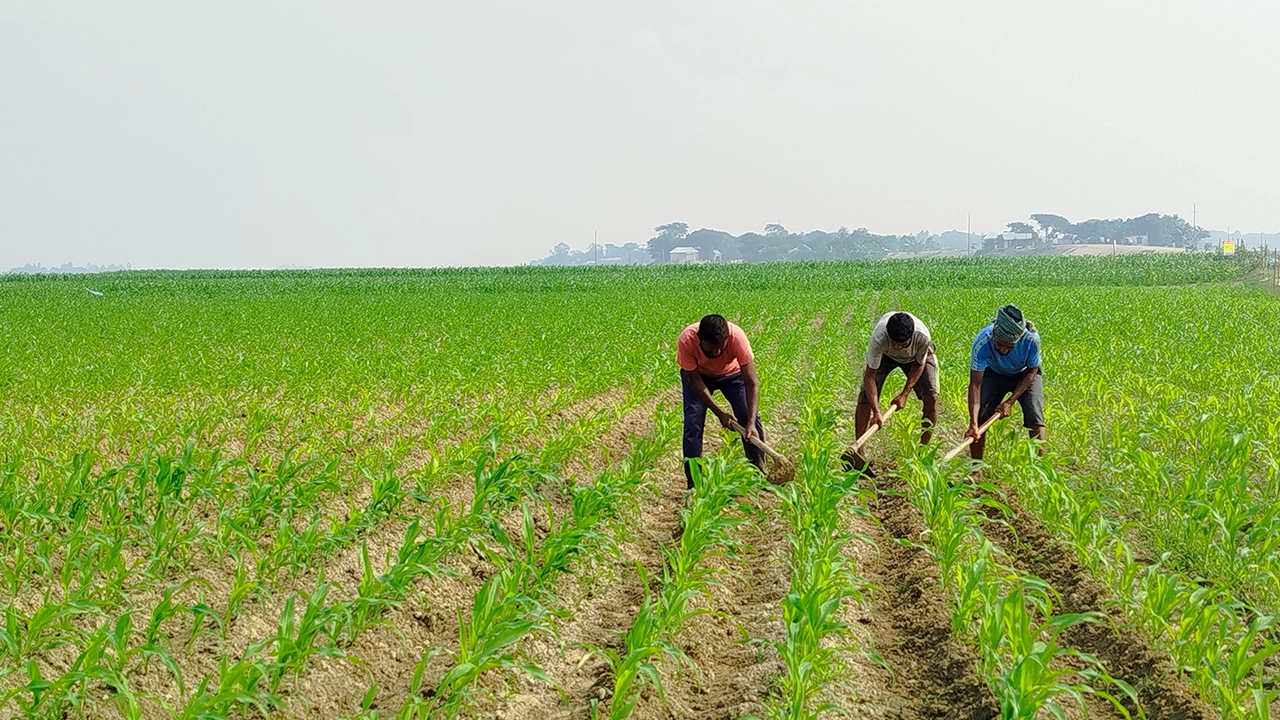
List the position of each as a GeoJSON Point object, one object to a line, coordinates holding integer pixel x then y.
{"type": "Point", "coordinates": [775, 243]}
{"type": "Point", "coordinates": [597, 254]}
{"type": "Point", "coordinates": [67, 269]}
{"type": "Point", "coordinates": [1167, 230]}
{"type": "Point", "coordinates": [778, 243]}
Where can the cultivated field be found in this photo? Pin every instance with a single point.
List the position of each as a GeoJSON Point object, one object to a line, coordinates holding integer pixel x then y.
{"type": "Point", "coordinates": [377, 494]}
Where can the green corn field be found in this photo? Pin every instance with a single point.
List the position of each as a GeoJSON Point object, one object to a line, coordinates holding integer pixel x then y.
{"type": "Point", "coordinates": [459, 493]}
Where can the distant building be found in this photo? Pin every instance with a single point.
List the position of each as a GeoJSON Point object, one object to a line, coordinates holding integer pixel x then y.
{"type": "Point", "coordinates": [921, 254]}
{"type": "Point", "coordinates": [1136, 240]}
{"type": "Point", "coordinates": [683, 254]}
{"type": "Point", "coordinates": [1008, 241]}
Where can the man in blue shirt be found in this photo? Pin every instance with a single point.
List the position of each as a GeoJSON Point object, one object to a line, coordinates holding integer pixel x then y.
{"type": "Point", "coordinates": [1004, 359]}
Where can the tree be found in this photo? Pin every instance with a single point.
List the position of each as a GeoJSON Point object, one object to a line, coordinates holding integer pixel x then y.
{"type": "Point", "coordinates": [709, 242]}
{"type": "Point", "coordinates": [1021, 227]}
{"type": "Point", "coordinates": [1168, 230]}
{"type": "Point", "coordinates": [1053, 226]}
{"type": "Point", "coordinates": [751, 247]}
{"type": "Point", "coordinates": [668, 238]}
{"type": "Point", "coordinates": [633, 253]}
{"type": "Point", "coordinates": [920, 242]}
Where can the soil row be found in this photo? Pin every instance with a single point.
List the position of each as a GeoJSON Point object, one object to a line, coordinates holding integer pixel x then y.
{"type": "Point", "coordinates": [386, 654]}
{"type": "Point", "coordinates": [1122, 649]}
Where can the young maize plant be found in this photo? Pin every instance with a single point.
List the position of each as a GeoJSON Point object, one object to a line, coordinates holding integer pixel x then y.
{"type": "Point", "coordinates": [1008, 615]}
{"type": "Point", "coordinates": [501, 614]}
{"type": "Point", "coordinates": [323, 627]}
{"type": "Point", "coordinates": [521, 598]}
{"type": "Point", "coordinates": [97, 517]}
{"type": "Point", "coordinates": [217, 448]}
{"type": "Point", "coordinates": [822, 580]}
{"type": "Point", "coordinates": [822, 577]}
{"type": "Point", "coordinates": [1222, 645]}
{"type": "Point", "coordinates": [296, 638]}
{"type": "Point", "coordinates": [723, 493]}
{"type": "Point", "coordinates": [497, 487]}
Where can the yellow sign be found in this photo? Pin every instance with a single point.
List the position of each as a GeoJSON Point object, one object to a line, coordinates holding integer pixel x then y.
{"type": "Point", "coordinates": [1228, 247]}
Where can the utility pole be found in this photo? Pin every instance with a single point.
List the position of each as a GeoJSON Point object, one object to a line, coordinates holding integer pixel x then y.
{"type": "Point", "coordinates": [595, 243]}
{"type": "Point", "coordinates": [1194, 226]}
{"type": "Point", "coordinates": [969, 233]}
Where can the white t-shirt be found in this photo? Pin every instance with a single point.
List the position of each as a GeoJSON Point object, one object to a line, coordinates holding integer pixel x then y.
{"type": "Point", "coordinates": [918, 349]}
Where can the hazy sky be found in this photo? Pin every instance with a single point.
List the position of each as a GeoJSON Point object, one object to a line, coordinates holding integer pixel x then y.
{"type": "Point", "coordinates": [257, 134]}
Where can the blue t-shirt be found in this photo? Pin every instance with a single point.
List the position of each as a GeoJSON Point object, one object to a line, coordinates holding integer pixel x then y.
{"type": "Point", "coordinates": [1025, 354]}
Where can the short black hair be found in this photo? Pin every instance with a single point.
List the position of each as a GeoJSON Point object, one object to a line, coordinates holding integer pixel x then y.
{"type": "Point", "coordinates": [713, 328]}
{"type": "Point", "coordinates": [900, 327]}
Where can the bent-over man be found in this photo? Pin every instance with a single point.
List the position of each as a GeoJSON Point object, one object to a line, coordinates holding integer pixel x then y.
{"type": "Point", "coordinates": [714, 354]}
{"type": "Point", "coordinates": [899, 340]}
{"type": "Point", "coordinates": [1004, 360]}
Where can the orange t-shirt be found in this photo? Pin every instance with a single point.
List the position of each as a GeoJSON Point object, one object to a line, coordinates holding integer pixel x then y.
{"type": "Point", "coordinates": [737, 351]}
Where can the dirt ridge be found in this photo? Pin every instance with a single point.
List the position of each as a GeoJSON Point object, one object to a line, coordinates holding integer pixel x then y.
{"type": "Point", "coordinates": [430, 618]}
{"type": "Point", "coordinates": [603, 594]}
{"type": "Point", "coordinates": [1120, 647]}
{"type": "Point", "coordinates": [934, 676]}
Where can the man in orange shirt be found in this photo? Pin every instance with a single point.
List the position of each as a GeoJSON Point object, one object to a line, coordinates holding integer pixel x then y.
{"type": "Point", "coordinates": [714, 354]}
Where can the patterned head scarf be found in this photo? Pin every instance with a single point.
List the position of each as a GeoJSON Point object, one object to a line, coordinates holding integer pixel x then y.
{"type": "Point", "coordinates": [1009, 324]}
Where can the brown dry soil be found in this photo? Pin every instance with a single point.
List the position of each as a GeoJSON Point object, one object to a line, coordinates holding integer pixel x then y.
{"type": "Point", "coordinates": [386, 653]}
{"type": "Point", "coordinates": [906, 622]}
{"type": "Point", "coordinates": [734, 661]}
{"type": "Point", "coordinates": [1119, 647]}
{"type": "Point", "coordinates": [933, 675]}
{"type": "Point", "coordinates": [728, 676]}
{"type": "Point", "coordinates": [600, 596]}
{"type": "Point", "coordinates": [431, 620]}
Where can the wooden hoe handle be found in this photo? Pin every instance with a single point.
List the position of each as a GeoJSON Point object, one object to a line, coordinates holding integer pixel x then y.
{"type": "Point", "coordinates": [866, 434]}
{"type": "Point", "coordinates": [982, 430]}
{"type": "Point", "coordinates": [734, 426]}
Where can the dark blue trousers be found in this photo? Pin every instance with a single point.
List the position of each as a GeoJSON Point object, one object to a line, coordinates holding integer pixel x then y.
{"type": "Point", "coordinates": [695, 417]}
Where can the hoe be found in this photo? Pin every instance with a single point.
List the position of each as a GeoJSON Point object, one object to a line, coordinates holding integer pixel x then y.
{"type": "Point", "coordinates": [984, 427]}
{"type": "Point", "coordinates": [853, 459]}
{"type": "Point", "coordinates": [781, 471]}
{"type": "Point", "coordinates": [982, 430]}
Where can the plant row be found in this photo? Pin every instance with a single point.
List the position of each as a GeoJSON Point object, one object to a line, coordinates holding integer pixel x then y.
{"type": "Point", "coordinates": [1222, 645]}
{"type": "Point", "coordinates": [1008, 615]}
{"type": "Point", "coordinates": [100, 598]}
{"type": "Point", "coordinates": [520, 599]}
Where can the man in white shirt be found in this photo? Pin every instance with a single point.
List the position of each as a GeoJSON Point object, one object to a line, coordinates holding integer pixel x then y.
{"type": "Point", "coordinates": [899, 340]}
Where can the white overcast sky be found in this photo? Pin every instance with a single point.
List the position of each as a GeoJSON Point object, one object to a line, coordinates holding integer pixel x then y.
{"type": "Point", "coordinates": [231, 134]}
